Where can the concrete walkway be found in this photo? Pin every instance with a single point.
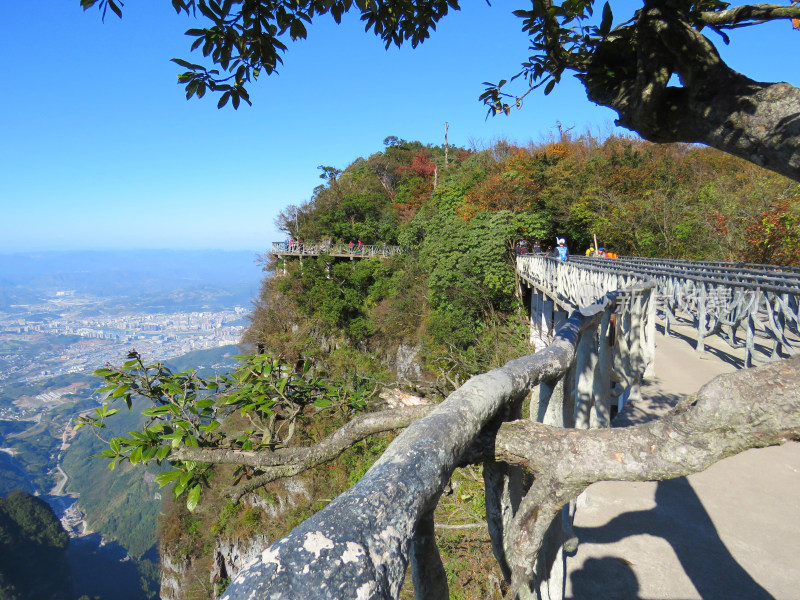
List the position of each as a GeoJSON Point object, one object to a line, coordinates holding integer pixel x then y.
{"type": "Point", "coordinates": [730, 532]}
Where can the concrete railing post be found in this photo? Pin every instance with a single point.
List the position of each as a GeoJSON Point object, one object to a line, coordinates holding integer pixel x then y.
{"type": "Point", "coordinates": [427, 570]}
{"type": "Point", "coordinates": [585, 369]}
{"type": "Point", "coordinates": [601, 380]}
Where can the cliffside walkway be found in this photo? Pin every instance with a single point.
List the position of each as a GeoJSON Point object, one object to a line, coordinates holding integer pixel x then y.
{"type": "Point", "coordinates": [302, 249]}
{"type": "Point", "coordinates": [732, 531]}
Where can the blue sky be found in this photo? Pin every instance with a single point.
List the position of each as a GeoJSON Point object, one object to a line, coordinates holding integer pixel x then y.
{"type": "Point", "coordinates": [99, 148]}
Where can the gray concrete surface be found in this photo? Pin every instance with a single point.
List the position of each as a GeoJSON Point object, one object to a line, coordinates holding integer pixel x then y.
{"type": "Point", "coordinates": [730, 532]}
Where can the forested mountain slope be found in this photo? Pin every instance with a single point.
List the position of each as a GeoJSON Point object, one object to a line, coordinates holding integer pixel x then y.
{"type": "Point", "coordinates": [458, 213]}
{"type": "Point", "coordinates": [33, 561]}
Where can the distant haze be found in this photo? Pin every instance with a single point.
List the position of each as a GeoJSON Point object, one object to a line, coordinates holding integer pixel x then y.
{"type": "Point", "coordinates": [127, 273]}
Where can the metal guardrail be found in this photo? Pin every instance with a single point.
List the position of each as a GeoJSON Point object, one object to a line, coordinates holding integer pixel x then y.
{"type": "Point", "coordinates": [339, 250]}
{"type": "Point", "coordinates": [752, 308]}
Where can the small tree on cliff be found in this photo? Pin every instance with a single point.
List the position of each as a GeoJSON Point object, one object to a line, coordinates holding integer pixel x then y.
{"type": "Point", "coordinates": [627, 67]}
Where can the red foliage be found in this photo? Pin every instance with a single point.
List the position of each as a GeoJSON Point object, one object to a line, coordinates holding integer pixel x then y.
{"type": "Point", "coordinates": [515, 184]}
{"type": "Point", "coordinates": [421, 165]}
{"type": "Point", "coordinates": [774, 235]}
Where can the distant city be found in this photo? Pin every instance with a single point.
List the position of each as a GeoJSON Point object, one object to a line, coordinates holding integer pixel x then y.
{"type": "Point", "coordinates": [52, 338]}
{"type": "Point", "coordinates": [65, 340]}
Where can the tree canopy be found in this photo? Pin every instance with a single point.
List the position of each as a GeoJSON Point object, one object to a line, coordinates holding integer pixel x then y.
{"type": "Point", "coordinates": [628, 67]}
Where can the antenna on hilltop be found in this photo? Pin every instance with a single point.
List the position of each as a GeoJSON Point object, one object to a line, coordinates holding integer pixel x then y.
{"type": "Point", "coordinates": [446, 145]}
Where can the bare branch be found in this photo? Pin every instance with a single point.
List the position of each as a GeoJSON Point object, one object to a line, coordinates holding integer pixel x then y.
{"type": "Point", "coordinates": [749, 14]}
{"type": "Point", "coordinates": [631, 71]}
{"type": "Point", "coordinates": [287, 462]}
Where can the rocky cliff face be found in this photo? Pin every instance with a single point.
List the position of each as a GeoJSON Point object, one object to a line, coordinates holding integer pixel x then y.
{"type": "Point", "coordinates": [202, 563]}
{"type": "Point", "coordinates": [231, 555]}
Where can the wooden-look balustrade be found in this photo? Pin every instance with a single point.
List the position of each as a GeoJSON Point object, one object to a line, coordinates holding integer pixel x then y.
{"type": "Point", "coordinates": [353, 251]}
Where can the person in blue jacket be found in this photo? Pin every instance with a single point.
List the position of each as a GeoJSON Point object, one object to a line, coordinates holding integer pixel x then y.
{"type": "Point", "coordinates": [563, 252]}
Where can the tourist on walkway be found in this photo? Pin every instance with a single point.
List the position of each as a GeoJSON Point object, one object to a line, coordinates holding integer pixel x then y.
{"type": "Point", "coordinates": [563, 252]}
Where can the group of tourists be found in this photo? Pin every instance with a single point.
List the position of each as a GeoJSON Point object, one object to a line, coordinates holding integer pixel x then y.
{"type": "Point", "coordinates": [601, 252]}
{"type": "Point", "coordinates": [293, 245]}
{"type": "Point", "coordinates": [560, 251]}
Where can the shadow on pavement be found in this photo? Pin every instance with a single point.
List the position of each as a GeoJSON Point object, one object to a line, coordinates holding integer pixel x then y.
{"type": "Point", "coordinates": [681, 520]}
{"type": "Point", "coordinates": [657, 405]}
{"type": "Point", "coordinates": [717, 352]}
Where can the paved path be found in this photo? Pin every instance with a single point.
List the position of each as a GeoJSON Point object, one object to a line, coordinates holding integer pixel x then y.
{"type": "Point", "coordinates": [731, 532]}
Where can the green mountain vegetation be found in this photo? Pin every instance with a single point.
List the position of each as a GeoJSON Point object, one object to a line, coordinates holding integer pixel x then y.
{"type": "Point", "coordinates": [206, 362]}
{"type": "Point", "coordinates": [32, 543]}
{"type": "Point", "coordinates": [38, 445]}
{"type": "Point", "coordinates": [458, 213]}
{"type": "Point", "coordinates": [12, 473]}
{"type": "Point", "coordinates": [122, 504]}
{"type": "Point", "coordinates": [12, 476]}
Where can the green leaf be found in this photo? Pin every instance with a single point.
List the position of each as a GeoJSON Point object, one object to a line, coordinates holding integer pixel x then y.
{"type": "Point", "coordinates": [282, 384]}
{"type": "Point", "coordinates": [297, 30]}
{"type": "Point", "coordinates": [163, 479]}
{"type": "Point", "coordinates": [120, 391]}
{"type": "Point", "coordinates": [182, 483]}
{"type": "Point", "coordinates": [155, 411]}
{"type": "Point", "coordinates": [113, 6]}
{"type": "Point", "coordinates": [205, 403]}
{"type": "Point", "coordinates": [162, 452]}
{"type": "Point", "coordinates": [605, 25]}
{"type": "Point", "coordinates": [148, 453]}
{"type": "Point", "coordinates": [193, 498]}
{"type": "Point", "coordinates": [136, 455]}
{"type": "Point", "coordinates": [211, 426]}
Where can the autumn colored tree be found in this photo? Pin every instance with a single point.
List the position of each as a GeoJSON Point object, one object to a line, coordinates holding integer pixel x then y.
{"type": "Point", "coordinates": [774, 235]}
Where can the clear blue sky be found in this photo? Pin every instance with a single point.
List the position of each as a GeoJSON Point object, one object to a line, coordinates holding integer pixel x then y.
{"type": "Point", "coordinates": [99, 148]}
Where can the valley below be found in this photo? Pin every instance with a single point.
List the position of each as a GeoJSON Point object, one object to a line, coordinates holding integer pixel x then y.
{"type": "Point", "coordinates": [53, 335]}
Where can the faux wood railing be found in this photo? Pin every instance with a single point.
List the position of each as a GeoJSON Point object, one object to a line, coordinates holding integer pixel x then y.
{"type": "Point", "coordinates": [302, 249]}
{"type": "Point", "coordinates": [754, 307]}
{"type": "Point", "coordinates": [360, 545]}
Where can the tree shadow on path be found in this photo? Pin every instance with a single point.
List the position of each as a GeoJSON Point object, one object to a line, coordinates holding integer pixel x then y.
{"type": "Point", "coordinates": [681, 520]}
